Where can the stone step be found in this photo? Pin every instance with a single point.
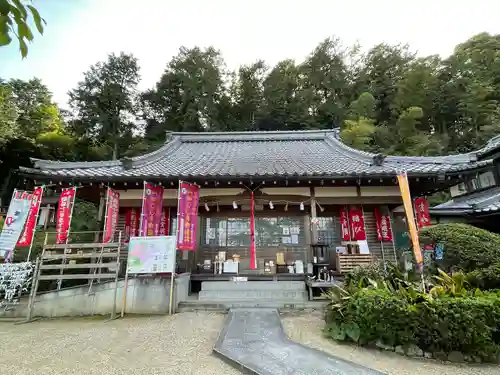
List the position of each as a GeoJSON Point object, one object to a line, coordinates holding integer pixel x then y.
{"type": "Point", "coordinates": [253, 295]}
{"type": "Point", "coordinates": [252, 285]}
{"type": "Point", "coordinates": [307, 306]}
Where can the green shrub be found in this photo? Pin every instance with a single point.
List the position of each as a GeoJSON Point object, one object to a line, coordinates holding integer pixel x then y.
{"type": "Point", "coordinates": [466, 247]}
{"type": "Point", "coordinates": [486, 278]}
{"type": "Point", "coordinates": [470, 325]}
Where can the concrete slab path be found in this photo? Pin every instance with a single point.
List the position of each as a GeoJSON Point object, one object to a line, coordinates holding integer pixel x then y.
{"type": "Point", "coordinates": [254, 341]}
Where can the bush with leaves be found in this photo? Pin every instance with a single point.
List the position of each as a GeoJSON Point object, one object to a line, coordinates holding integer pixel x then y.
{"type": "Point", "coordinates": [472, 250]}
{"type": "Point", "coordinates": [470, 325]}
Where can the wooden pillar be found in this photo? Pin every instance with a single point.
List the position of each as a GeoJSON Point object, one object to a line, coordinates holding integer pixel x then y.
{"type": "Point", "coordinates": [314, 226]}
{"type": "Point", "coordinates": [100, 215]}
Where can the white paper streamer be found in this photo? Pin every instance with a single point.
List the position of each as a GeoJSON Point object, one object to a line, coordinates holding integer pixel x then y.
{"type": "Point", "coordinates": [15, 278]}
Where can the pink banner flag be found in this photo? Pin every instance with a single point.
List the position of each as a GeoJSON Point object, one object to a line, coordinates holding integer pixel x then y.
{"type": "Point", "coordinates": [29, 228]}
{"type": "Point", "coordinates": [132, 219]}
{"type": "Point", "coordinates": [112, 209]}
{"type": "Point", "coordinates": [187, 213]}
{"type": "Point", "coordinates": [64, 211]}
{"type": "Point", "coordinates": [152, 205]}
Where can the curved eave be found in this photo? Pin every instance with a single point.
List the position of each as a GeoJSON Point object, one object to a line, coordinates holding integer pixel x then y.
{"type": "Point", "coordinates": [450, 212]}
{"type": "Point", "coordinates": [37, 173]}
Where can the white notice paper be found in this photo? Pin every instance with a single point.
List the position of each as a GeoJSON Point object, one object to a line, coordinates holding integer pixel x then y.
{"type": "Point", "coordinates": [363, 247]}
{"type": "Point", "coordinates": [295, 239]}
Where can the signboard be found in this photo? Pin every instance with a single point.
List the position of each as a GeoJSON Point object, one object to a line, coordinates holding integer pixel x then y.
{"type": "Point", "coordinates": [14, 223]}
{"type": "Point", "coordinates": [153, 254]}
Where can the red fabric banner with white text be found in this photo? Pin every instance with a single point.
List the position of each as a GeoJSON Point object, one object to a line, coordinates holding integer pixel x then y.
{"type": "Point", "coordinates": [64, 211]}
{"type": "Point", "coordinates": [112, 210]}
{"type": "Point", "coordinates": [132, 219]}
{"type": "Point", "coordinates": [422, 212]}
{"type": "Point", "coordinates": [187, 214]}
{"type": "Point", "coordinates": [253, 256]}
{"type": "Point", "coordinates": [29, 227]}
{"type": "Point", "coordinates": [357, 222]}
{"type": "Point", "coordinates": [152, 206]}
{"type": "Point", "coordinates": [344, 225]}
{"type": "Point", "coordinates": [165, 222]}
{"type": "Point", "coordinates": [383, 222]}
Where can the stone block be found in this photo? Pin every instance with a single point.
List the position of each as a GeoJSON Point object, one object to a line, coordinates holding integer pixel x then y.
{"type": "Point", "coordinates": [242, 295]}
{"type": "Point", "coordinates": [252, 285]}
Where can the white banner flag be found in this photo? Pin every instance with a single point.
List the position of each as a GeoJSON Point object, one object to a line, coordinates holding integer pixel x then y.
{"type": "Point", "coordinates": [14, 223]}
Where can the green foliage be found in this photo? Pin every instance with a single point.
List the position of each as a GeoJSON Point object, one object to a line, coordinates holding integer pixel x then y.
{"type": "Point", "coordinates": [453, 286]}
{"type": "Point", "coordinates": [14, 18]}
{"type": "Point", "coordinates": [474, 251]}
{"type": "Point", "coordinates": [105, 102]}
{"type": "Point", "coordinates": [469, 325]}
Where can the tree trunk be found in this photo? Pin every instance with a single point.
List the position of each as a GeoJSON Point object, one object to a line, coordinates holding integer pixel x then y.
{"type": "Point", "coordinates": [115, 150]}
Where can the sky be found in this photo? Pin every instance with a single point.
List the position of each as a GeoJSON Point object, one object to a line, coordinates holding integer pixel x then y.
{"type": "Point", "coordinates": [80, 33]}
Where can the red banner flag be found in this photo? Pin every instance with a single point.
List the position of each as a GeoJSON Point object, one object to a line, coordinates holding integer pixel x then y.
{"type": "Point", "coordinates": [132, 219]}
{"type": "Point", "coordinates": [422, 212]}
{"type": "Point", "coordinates": [383, 222]}
{"type": "Point", "coordinates": [165, 222]}
{"type": "Point", "coordinates": [152, 205]}
{"type": "Point", "coordinates": [187, 213]}
{"type": "Point", "coordinates": [111, 220]}
{"type": "Point", "coordinates": [64, 212]}
{"type": "Point", "coordinates": [29, 228]}
{"type": "Point", "coordinates": [344, 225]}
{"type": "Point", "coordinates": [357, 223]}
{"type": "Point", "coordinates": [253, 258]}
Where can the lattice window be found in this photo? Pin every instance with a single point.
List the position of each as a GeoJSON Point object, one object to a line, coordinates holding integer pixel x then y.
{"type": "Point", "coordinates": [269, 232]}
{"type": "Point", "coordinates": [327, 232]}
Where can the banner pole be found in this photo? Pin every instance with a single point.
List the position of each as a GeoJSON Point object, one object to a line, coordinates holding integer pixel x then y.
{"type": "Point", "coordinates": [171, 297]}
{"type": "Point", "coordinates": [393, 239]}
{"type": "Point", "coordinates": [36, 222]}
{"type": "Point", "coordinates": [142, 209]}
{"type": "Point", "coordinates": [59, 282]}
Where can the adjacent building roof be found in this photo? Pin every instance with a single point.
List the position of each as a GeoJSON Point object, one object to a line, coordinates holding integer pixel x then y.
{"type": "Point", "coordinates": [255, 154]}
{"type": "Point", "coordinates": [476, 203]}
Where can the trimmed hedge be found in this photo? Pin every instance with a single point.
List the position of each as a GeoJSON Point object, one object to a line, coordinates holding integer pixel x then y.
{"type": "Point", "coordinates": [465, 247]}
{"type": "Point", "coordinates": [474, 251]}
{"type": "Point", "coordinates": [469, 325]}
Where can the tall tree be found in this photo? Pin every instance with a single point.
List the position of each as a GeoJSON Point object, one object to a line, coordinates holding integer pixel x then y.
{"type": "Point", "coordinates": [381, 70]}
{"type": "Point", "coordinates": [328, 81]}
{"type": "Point", "coordinates": [8, 114]}
{"type": "Point", "coordinates": [247, 92]}
{"type": "Point", "coordinates": [37, 112]}
{"type": "Point", "coordinates": [105, 102]}
{"type": "Point", "coordinates": [284, 107]}
{"type": "Point", "coordinates": [189, 94]}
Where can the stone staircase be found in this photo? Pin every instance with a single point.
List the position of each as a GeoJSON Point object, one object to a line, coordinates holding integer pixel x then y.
{"type": "Point", "coordinates": [223, 295]}
{"type": "Point", "coordinates": [294, 291]}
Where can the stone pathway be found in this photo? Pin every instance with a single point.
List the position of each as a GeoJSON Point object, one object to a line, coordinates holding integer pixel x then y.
{"type": "Point", "coordinates": [254, 340]}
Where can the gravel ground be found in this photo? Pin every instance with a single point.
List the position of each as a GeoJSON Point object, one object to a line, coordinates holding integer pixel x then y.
{"type": "Point", "coordinates": [180, 344]}
{"type": "Point", "coordinates": [306, 329]}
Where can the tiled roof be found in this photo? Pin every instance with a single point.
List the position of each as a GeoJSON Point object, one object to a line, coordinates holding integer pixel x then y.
{"type": "Point", "coordinates": [492, 146]}
{"type": "Point", "coordinates": [479, 202]}
{"type": "Point", "coordinates": [255, 154]}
